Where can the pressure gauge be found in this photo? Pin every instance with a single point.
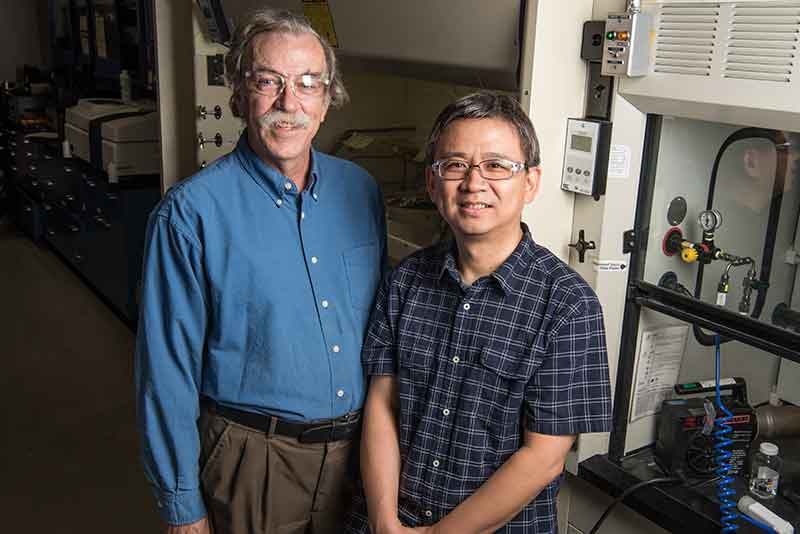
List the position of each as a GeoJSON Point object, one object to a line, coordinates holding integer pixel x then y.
{"type": "Point", "coordinates": [710, 220]}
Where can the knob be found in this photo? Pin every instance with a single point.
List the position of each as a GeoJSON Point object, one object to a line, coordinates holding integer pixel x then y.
{"type": "Point", "coordinates": [689, 255]}
{"type": "Point", "coordinates": [217, 112]}
{"type": "Point", "coordinates": [201, 140]}
{"type": "Point", "coordinates": [202, 112]}
{"type": "Point", "coordinates": [582, 246]}
{"type": "Point", "coordinates": [218, 139]}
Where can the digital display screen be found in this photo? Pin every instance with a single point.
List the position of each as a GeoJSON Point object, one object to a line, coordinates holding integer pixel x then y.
{"type": "Point", "coordinates": [582, 143]}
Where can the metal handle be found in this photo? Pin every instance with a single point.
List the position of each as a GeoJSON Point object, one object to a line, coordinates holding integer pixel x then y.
{"type": "Point", "coordinates": [582, 246]}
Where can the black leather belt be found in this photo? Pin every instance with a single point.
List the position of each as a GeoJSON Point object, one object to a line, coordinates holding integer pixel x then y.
{"type": "Point", "coordinates": [320, 431]}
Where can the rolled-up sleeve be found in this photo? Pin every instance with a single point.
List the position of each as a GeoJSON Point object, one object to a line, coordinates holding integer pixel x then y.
{"type": "Point", "coordinates": [168, 363]}
{"type": "Point", "coordinates": [570, 392]}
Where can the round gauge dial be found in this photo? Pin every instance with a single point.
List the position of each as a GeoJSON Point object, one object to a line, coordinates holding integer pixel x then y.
{"type": "Point", "coordinates": [709, 220]}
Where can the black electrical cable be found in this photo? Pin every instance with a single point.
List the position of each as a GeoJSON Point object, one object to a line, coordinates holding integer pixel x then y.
{"type": "Point", "coordinates": [781, 146]}
{"type": "Point", "coordinates": [622, 496]}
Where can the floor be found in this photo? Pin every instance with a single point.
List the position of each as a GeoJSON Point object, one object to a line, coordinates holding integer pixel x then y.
{"type": "Point", "coordinates": [68, 447]}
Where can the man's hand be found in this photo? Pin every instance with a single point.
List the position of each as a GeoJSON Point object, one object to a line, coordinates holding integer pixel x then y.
{"type": "Point", "coordinates": [198, 527]}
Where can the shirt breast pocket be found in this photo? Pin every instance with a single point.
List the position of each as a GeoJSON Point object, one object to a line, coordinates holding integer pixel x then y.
{"type": "Point", "coordinates": [362, 265]}
{"type": "Point", "coordinates": [505, 375]}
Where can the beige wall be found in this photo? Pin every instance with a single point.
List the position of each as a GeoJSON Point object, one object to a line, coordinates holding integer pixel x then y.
{"type": "Point", "coordinates": [23, 35]}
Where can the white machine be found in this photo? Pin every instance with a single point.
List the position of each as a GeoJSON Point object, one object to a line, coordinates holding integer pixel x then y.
{"type": "Point", "coordinates": [109, 134]}
{"type": "Point", "coordinates": [586, 157]}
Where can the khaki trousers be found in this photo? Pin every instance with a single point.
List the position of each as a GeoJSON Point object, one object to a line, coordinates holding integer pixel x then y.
{"type": "Point", "coordinates": [259, 484]}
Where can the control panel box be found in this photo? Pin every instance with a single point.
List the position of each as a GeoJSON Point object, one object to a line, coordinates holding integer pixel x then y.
{"type": "Point", "coordinates": [586, 157]}
{"type": "Point", "coordinates": [626, 44]}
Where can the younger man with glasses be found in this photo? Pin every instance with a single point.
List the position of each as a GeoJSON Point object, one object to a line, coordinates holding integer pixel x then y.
{"type": "Point", "coordinates": [259, 275]}
{"type": "Point", "coordinates": [486, 355]}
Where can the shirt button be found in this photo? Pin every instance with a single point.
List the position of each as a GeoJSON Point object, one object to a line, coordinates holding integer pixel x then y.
{"type": "Point", "coordinates": [445, 412]}
{"type": "Point", "coordinates": [428, 513]}
{"type": "Point", "coordinates": [456, 359]}
{"type": "Point", "coordinates": [466, 306]}
{"type": "Point", "coordinates": [324, 303]}
{"type": "Point", "coordinates": [303, 215]}
{"type": "Point", "coordinates": [436, 463]}
{"type": "Point", "coordinates": [279, 202]}
{"type": "Point", "coordinates": [315, 196]}
{"type": "Point", "coordinates": [340, 393]}
{"type": "Point", "coordinates": [288, 186]}
{"type": "Point", "coordinates": [314, 259]}
{"type": "Point", "coordinates": [336, 349]}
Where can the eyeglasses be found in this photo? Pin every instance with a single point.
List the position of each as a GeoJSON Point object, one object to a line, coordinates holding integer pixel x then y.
{"type": "Point", "coordinates": [457, 170]}
{"type": "Point", "coordinates": [272, 84]}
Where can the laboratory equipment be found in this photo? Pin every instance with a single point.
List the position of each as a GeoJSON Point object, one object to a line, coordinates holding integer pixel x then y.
{"type": "Point", "coordinates": [586, 152]}
{"type": "Point", "coordinates": [626, 45]}
{"type": "Point", "coordinates": [765, 471]}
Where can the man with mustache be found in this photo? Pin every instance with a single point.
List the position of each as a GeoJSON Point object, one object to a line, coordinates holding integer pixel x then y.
{"type": "Point", "coordinates": [486, 355]}
{"type": "Point", "coordinates": [259, 275]}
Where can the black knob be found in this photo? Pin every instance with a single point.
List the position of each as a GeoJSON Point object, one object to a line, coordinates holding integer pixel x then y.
{"type": "Point", "coordinates": [582, 246]}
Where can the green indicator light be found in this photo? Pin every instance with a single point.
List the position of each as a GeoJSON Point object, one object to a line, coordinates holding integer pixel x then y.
{"type": "Point", "coordinates": [611, 36]}
{"type": "Point", "coordinates": [690, 386]}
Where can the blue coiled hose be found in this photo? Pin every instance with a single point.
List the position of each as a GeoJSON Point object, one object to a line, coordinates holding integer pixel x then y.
{"type": "Point", "coordinates": [727, 505]}
{"type": "Point", "coordinates": [725, 493]}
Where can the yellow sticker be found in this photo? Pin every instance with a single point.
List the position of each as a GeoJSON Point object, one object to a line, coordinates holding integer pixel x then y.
{"type": "Point", "coordinates": [319, 16]}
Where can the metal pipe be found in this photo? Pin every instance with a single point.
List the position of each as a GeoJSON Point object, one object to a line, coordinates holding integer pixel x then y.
{"type": "Point", "coordinates": [634, 6]}
{"type": "Point", "coordinates": [777, 422]}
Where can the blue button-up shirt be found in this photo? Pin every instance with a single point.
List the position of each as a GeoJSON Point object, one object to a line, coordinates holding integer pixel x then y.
{"type": "Point", "coordinates": [256, 295]}
{"type": "Point", "coordinates": [524, 346]}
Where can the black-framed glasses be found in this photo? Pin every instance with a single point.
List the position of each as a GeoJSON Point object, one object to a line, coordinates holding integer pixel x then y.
{"type": "Point", "coordinates": [490, 169]}
{"type": "Point", "coordinates": [272, 84]}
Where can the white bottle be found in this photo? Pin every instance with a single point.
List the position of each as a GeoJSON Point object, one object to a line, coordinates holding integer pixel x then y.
{"type": "Point", "coordinates": [765, 469]}
{"type": "Point", "coordinates": [747, 505]}
{"type": "Point", "coordinates": [125, 86]}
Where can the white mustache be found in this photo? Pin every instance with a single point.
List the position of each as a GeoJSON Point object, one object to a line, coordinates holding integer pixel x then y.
{"type": "Point", "coordinates": [272, 118]}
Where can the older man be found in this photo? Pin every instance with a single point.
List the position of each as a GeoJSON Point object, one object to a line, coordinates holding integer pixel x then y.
{"type": "Point", "coordinates": [259, 275]}
{"type": "Point", "coordinates": [487, 355]}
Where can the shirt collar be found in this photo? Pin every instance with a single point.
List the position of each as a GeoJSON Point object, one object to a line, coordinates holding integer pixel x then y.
{"type": "Point", "coordinates": [503, 275]}
{"type": "Point", "coordinates": [273, 181]}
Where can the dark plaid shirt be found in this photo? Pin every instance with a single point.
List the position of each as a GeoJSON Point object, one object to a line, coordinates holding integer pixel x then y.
{"type": "Point", "coordinates": [523, 346]}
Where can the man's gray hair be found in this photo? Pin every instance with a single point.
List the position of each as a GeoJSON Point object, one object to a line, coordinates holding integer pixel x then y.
{"type": "Point", "coordinates": [239, 58]}
{"type": "Point", "coordinates": [487, 105]}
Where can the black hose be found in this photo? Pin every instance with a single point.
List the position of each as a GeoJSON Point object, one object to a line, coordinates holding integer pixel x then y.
{"type": "Point", "coordinates": [781, 150]}
{"type": "Point", "coordinates": [627, 492]}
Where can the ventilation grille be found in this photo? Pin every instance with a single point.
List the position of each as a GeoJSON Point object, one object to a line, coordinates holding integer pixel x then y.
{"type": "Point", "coordinates": [686, 34]}
{"type": "Point", "coordinates": [763, 42]}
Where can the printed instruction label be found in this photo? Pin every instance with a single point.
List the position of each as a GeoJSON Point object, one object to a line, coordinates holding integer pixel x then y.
{"type": "Point", "coordinates": [660, 357]}
{"type": "Point", "coordinates": [619, 161]}
{"type": "Point", "coordinates": [609, 266]}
